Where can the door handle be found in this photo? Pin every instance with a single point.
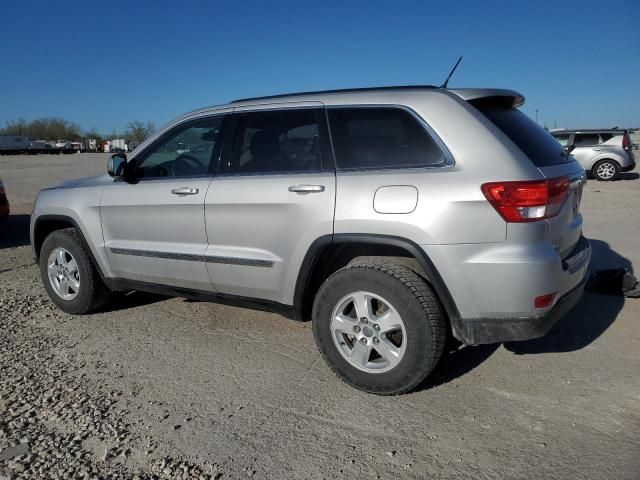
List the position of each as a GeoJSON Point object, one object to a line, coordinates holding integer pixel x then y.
{"type": "Point", "coordinates": [306, 188]}
{"type": "Point", "coordinates": [185, 191]}
{"type": "Point", "coordinates": [597, 149]}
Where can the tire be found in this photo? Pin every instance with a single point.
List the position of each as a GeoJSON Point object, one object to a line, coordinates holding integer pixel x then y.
{"type": "Point", "coordinates": [90, 292]}
{"type": "Point", "coordinates": [418, 343]}
{"type": "Point", "coordinates": [606, 170]}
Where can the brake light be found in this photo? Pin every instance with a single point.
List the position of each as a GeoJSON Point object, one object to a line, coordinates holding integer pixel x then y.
{"type": "Point", "coordinates": [625, 141]}
{"type": "Point", "coordinates": [527, 201]}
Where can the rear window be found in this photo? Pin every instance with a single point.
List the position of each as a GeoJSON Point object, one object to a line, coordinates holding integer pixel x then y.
{"type": "Point", "coordinates": [381, 137]}
{"type": "Point", "coordinates": [534, 141]}
{"type": "Point", "coordinates": [562, 138]}
{"type": "Point", "coordinates": [586, 139]}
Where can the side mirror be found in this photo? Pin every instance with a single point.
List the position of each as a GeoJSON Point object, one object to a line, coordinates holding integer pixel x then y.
{"type": "Point", "coordinates": [117, 165]}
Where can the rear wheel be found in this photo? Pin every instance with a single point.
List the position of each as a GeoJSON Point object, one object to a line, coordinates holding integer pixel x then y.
{"type": "Point", "coordinates": [606, 170]}
{"type": "Point", "coordinates": [68, 274]}
{"type": "Point", "coordinates": [379, 326]}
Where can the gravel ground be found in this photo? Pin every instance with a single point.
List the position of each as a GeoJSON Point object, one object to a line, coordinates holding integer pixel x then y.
{"type": "Point", "coordinates": [170, 388]}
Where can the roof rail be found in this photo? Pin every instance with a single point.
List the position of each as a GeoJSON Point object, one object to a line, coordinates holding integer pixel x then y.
{"type": "Point", "coordinates": [343, 90]}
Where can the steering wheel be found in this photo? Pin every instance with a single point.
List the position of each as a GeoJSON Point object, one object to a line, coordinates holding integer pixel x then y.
{"type": "Point", "coordinates": [186, 165]}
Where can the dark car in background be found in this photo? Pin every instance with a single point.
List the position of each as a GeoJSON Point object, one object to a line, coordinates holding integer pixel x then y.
{"type": "Point", "coordinates": [4, 203]}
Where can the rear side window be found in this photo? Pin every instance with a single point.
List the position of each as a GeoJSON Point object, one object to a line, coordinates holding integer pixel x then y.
{"type": "Point", "coordinates": [276, 142]}
{"type": "Point", "coordinates": [381, 137]}
{"type": "Point", "coordinates": [586, 139]}
{"type": "Point", "coordinates": [534, 141]}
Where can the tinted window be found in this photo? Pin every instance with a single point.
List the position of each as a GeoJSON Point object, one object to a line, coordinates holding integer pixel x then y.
{"type": "Point", "coordinates": [582, 139]}
{"type": "Point", "coordinates": [562, 138]}
{"type": "Point", "coordinates": [534, 141]}
{"type": "Point", "coordinates": [381, 138]}
{"type": "Point", "coordinates": [276, 141]}
{"type": "Point", "coordinates": [187, 150]}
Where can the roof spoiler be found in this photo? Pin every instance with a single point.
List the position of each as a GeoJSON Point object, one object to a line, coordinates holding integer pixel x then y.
{"type": "Point", "coordinates": [499, 96]}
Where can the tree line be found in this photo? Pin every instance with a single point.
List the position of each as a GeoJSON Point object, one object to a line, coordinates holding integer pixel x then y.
{"type": "Point", "coordinates": [54, 128]}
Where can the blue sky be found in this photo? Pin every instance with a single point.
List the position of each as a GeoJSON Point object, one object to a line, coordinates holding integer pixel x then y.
{"type": "Point", "coordinates": [104, 63]}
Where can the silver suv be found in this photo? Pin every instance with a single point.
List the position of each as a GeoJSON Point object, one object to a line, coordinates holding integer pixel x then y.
{"type": "Point", "coordinates": [389, 216]}
{"type": "Point", "coordinates": [602, 153]}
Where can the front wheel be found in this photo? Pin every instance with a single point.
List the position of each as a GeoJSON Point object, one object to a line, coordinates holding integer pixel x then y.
{"type": "Point", "coordinates": [68, 274]}
{"type": "Point", "coordinates": [379, 326]}
{"type": "Point", "coordinates": [606, 170]}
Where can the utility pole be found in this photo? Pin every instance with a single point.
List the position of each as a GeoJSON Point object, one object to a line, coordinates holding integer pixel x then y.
{"type": "Point", "coordinates": [536, 115]}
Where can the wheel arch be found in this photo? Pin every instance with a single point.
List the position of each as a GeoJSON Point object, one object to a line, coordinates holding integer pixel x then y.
{"type": "Point", "coordinates": [44, 225]}
{"type": "Point", "coordinates": [329, 253]}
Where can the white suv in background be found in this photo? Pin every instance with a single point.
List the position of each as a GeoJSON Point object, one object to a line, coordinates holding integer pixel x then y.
{"type": "Point", "coordinates": [602, 153]}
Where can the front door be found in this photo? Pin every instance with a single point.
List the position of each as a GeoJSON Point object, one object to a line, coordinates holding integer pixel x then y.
{"type": "Point", "coordinates": [154, 229]}
{"type": "Point", "coordinates": [274, 196]}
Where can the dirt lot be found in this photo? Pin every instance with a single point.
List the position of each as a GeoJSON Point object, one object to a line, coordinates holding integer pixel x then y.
{"type": "Point", "coordinates": [170, 388]}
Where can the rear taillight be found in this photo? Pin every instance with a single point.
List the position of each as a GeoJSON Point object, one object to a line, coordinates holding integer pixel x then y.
{"type": "Point", "coordinates": [626, 144]}
{"type": "Point", "coordinates": [527, 201]}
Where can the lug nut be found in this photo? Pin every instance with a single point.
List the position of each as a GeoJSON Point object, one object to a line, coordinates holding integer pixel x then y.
{"type": "Point", "coordinates": [363, 341]}
{"type": "Point", "coordinates": [375, 340]}
{"type": "Point", "coordinates": [376, 327]}
{"type": "Point", "coordinates": [356, 329]}
{"type": "Point", "coordinates": [363, 319]}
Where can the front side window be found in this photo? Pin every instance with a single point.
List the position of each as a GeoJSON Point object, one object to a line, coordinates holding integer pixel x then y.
{"type": "Point", "coordinates": [187, 150]}
{"type": "Point", "coordinates": [381, 137]}
{"type": "Point", "coordinates": [276, 142]}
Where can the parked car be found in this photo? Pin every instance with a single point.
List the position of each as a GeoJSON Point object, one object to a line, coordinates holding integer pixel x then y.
{"type": "Point", "coordinates": [4, 203]}
{"type": "Point", "coordinates": [602, 153]}
{"type": "Point", "coordinates": [13, 144]}
{"type": "Point", "coordinates": [371, 211]}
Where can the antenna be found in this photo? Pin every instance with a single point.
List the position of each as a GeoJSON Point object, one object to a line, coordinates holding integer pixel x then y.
{"type": "Point", "coordinates": [446, 82]}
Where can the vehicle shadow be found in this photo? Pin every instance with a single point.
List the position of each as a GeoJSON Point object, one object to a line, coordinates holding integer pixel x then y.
{"type": "Point", "coordinates": [589, 319]}
{"type": "Point", "coordinates": [579, 328]}
{"type": "Point", "coordinates": [627, 176]}
{"type": "Point", "coordinates": [456, 363]}
{"type": "Point", "coordinates": [14, 232]}
{"type": "Point", "coordinates": [126, 300]}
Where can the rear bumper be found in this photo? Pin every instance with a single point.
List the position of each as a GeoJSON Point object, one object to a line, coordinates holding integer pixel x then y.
{"type": "Point", "coordinates": [481, 331]}
{"type": "Point", "coordinates": [629, 167]}
{"type": "Point", "coordinates": [497, 330]}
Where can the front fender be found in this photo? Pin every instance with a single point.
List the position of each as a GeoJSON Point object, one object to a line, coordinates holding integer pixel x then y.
{"type": "Point", "coordinates": [81, 210]}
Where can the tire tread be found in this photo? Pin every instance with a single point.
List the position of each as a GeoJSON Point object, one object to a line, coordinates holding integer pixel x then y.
{"type": "Point", "coordinates": [429, 304]}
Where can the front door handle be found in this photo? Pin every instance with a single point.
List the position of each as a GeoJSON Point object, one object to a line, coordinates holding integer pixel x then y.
{"type": "Point", "coordinates": [185, 191]}
{"type": "Point", "coordinates": [306, 188]}
{"type": "Point", "coordinates": [597, 149]}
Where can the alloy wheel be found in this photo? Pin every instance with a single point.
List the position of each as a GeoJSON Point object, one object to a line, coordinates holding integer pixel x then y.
{"type": "Point", "coordinates": [63, 273]}
{"type": "Point", "coordinates": [368, 332]}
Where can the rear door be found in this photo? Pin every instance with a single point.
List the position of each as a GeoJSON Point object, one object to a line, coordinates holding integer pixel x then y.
{"type": "Point", "coordinates": [274, 195]}
{"type": "Point", "coordinates": [587, 148]}
{"type": "Point", "coordinates": [154, 229]}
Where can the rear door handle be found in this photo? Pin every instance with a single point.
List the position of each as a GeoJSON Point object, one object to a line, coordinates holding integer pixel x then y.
{"type": "Point", "coordinates": [306, 188]}
{"type": "Point", "coordinates": [185, 191]}
{"type": "Point", "coordinates": [597, 149]}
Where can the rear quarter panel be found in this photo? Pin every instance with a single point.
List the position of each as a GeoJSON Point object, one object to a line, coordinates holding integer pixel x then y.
{"type": "Point", "coordinates": [451, 208]}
